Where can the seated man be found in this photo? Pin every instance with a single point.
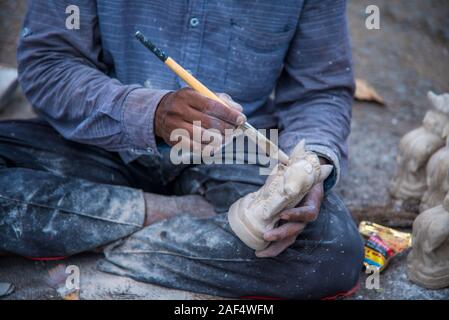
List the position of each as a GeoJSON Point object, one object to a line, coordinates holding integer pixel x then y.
{"type": "Point", "coordinates": [95, 168]}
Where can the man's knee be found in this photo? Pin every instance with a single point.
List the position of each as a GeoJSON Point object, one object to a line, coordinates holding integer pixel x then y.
{"type": "Point", "coordinates": [331, 270]}
{"type": "Point", "coordinates": [343, 267]}
{"type": "Point", "coordinates": [329, 253]}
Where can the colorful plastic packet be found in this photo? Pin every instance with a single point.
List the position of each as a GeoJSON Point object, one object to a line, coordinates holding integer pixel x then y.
{"type": "Point", "coordinates": [382, 243]}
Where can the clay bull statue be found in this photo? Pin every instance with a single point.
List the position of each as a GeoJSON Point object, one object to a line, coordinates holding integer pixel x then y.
{"type": "Point", "coordinates": [258, 212]}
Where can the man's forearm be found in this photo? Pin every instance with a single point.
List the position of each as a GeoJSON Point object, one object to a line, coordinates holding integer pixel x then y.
{"type": "Point", "coordinates": [63, 77]}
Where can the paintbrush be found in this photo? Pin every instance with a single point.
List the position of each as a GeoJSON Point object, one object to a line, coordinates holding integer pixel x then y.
{"type": "Point", "coordinates": [263, 142]}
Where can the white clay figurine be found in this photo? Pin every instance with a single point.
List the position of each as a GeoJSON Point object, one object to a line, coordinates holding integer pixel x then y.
{"type": "Point", "coordinates": [254, 214]}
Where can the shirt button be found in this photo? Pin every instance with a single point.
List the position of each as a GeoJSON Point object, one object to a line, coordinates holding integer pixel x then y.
{"type": "Point", "coordinates": [194, 22]}
{"type": "Point", "coordinates": [25, 32]}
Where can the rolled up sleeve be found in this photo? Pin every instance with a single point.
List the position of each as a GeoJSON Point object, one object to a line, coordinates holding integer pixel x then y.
{"type": "Point", "coordinates": [63, 76]}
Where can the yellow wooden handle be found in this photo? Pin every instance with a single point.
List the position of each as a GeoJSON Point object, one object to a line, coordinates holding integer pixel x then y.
{"type": "Point", "coordinates": [192, 81]}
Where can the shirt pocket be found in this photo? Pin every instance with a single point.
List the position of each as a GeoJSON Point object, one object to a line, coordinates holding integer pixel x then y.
{"type": "Point", "coordinates": [255, 60]}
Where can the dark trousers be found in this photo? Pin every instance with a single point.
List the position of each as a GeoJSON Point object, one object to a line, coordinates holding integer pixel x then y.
{"type": "Point", "coordinates": [59, 198]}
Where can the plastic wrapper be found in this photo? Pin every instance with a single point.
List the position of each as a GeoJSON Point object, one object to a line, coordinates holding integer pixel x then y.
{"type": "Point", "coordinates": [382, 243]}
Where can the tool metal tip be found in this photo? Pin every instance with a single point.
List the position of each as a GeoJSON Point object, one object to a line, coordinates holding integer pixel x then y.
{"type": "Point", "coordinates": [139, 35]}
{"type": "Point", "coordinates": [150, 46]}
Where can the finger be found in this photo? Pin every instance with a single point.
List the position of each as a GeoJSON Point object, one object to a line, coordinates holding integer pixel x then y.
{"type": "Point", "coordinates": [215, 109]}
{"type": "Point", "coordinates": [207, 121]}
{"type": "Point", "coordinates": [276, 248]}
{"type": "Point", "coordinates": [228, 100]}
{"type": "Point", "coordinates": [188, 135]}
{"type": "Point", "coordinates": [302, 214]}
{"type": "Point", "coordinates": [314, 197]}
{"type": "Point", "coordinates": [220, 111]}
{"type": "Point", "coordinates": [189, 142]}
{"type": "Point", "coordinates": [284, 231]}
{"type": "Point", "coordinates": [200, 135]}
{"type": "Point", "coordinates": [212, 136]}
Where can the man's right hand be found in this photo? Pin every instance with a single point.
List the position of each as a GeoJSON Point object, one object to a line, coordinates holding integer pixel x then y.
{"type": "Point", "coordinates": [178, 110]}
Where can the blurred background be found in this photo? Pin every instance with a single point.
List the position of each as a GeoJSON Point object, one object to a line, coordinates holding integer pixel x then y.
{"type": "Point", "coordinates": [405, 59]}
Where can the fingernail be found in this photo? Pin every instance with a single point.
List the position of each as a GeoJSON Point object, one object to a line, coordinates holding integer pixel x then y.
{"type": "Point", "coordinates": [241, 120]}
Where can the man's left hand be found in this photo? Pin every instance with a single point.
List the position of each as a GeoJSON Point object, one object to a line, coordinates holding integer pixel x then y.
{"type": "Point", "coordinates": [292, 223]}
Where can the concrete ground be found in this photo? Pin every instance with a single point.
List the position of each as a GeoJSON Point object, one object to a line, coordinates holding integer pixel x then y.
{"type": "Point", "coordinates": [33, 280]}
{"type": "Point", "coordinates": [403, 60]}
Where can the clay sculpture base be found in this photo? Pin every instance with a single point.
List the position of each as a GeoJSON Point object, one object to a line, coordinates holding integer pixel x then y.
{"type": "Point", "coordinates": [258, 212]}
{"type": "Point", "coordinates": [428, 262]}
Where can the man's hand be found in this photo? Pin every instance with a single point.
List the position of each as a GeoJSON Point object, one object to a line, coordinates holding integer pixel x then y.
{"type": "Point", "coordinates": [293, 221]}
{"type": "Point", "coordinates": [178, 110]}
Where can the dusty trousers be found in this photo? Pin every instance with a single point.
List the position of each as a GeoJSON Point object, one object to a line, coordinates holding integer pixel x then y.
{"type": "Point", "coordinates": [59, 198]}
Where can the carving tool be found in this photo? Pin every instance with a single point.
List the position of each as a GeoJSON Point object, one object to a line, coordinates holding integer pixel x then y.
{"type": "Point", "coordinates": [263, 142]}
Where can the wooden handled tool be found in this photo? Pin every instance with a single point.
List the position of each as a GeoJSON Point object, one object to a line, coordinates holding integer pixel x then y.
{"type": "Point", "coordinates": [264, 143]}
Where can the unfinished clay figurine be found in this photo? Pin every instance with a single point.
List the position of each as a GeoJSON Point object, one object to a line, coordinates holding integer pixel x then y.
{"type": "Point", "coordinates": [251, 216]}
{"type": "Point", "coordinates": [439, 102]}
{"type": "Point", "coordinates": [428, 262]}
{"type": "Point", "coordinates": [437, 180]}
{"type": "Point", "coordinates": [415, 149]}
